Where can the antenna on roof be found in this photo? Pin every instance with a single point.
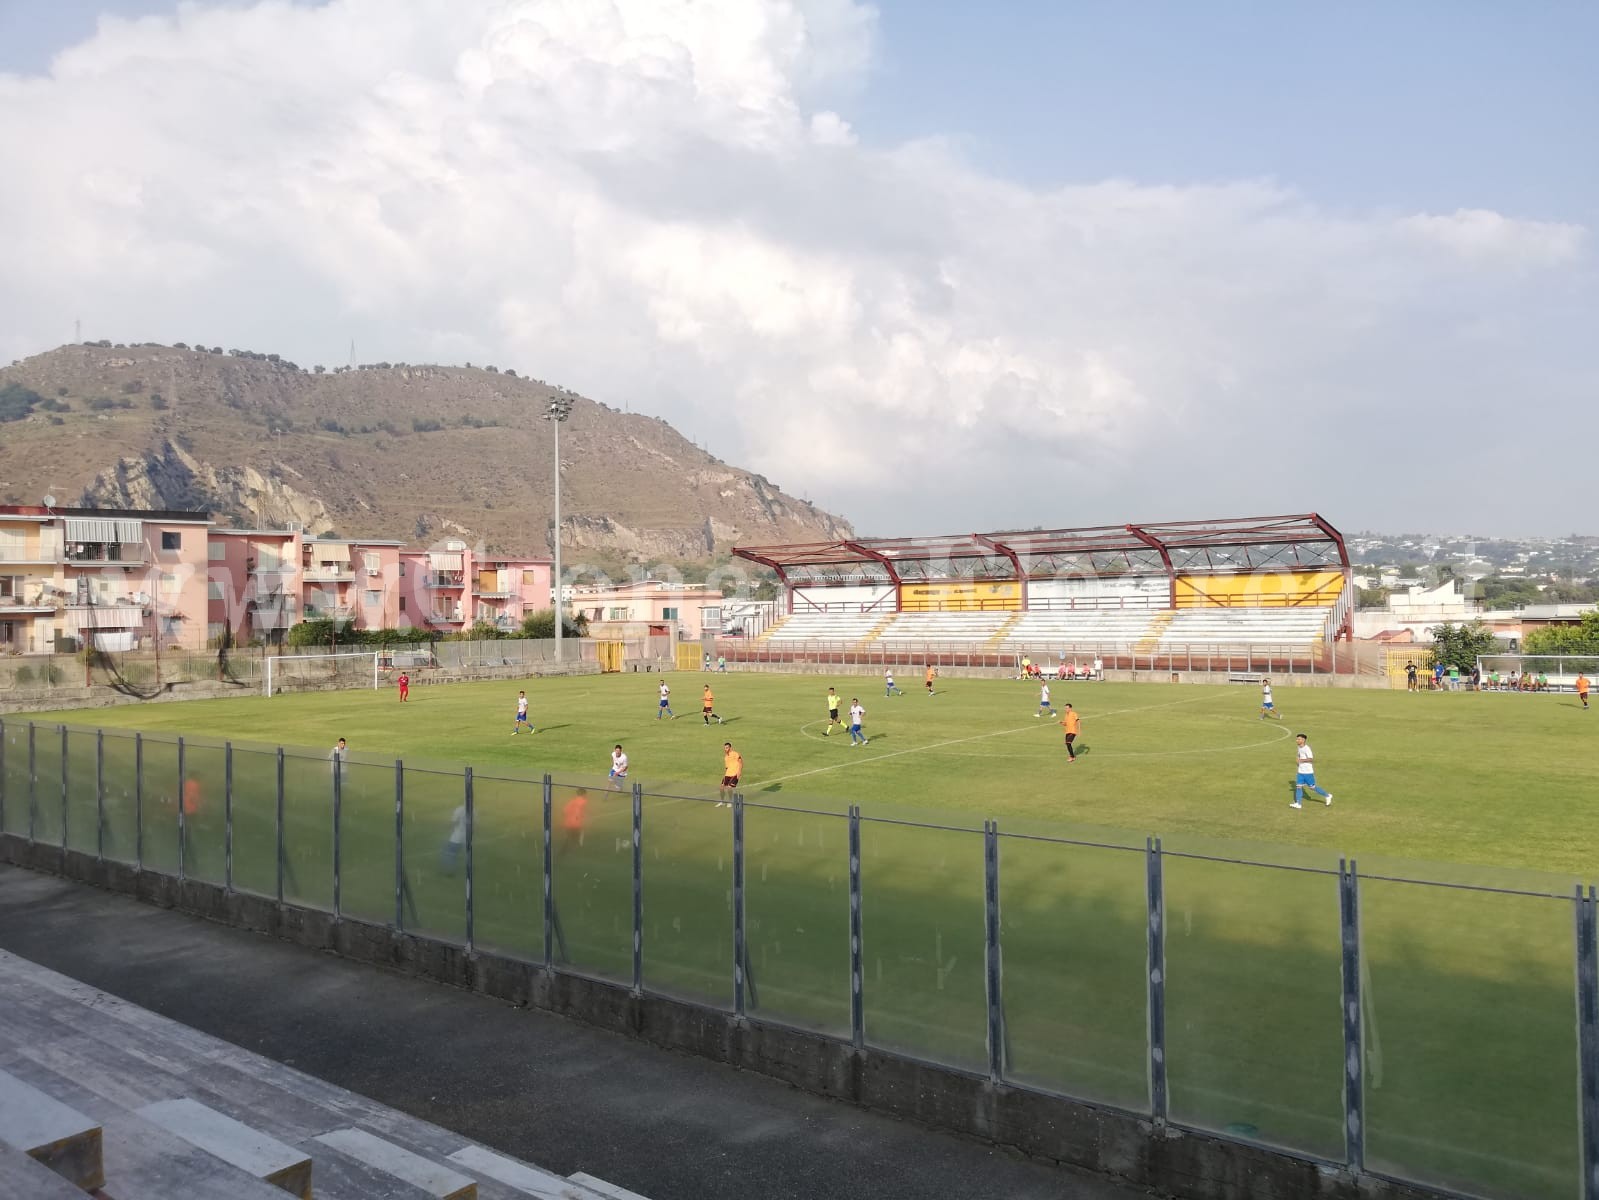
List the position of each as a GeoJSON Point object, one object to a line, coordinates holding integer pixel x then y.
{"type": "Point", "coordinates": [49, 501]}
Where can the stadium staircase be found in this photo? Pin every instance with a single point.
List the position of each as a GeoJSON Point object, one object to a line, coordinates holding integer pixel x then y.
{"type": "Point", "coordinates": [770, 631]}
{"type": "Point", "coordinates": [102, 1098]}
{"type": "Point", "coordinates": [1158, 625]}
{"type": "Point", "coordinates": [876, 632]}
{"type": "Point", "coordinates": [998, 640]}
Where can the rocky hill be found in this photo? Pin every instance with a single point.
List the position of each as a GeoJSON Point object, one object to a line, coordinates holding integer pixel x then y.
{"type": "Point", "coordinates": [391, 450]}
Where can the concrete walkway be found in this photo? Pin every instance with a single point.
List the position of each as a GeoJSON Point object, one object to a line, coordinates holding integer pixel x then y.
{"type": "Point", "coordinates": [535, 1086]}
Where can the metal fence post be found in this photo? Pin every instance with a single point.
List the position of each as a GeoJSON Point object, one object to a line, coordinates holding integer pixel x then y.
{"type": "Point", "coordinates": [138, 801]}
{"type": "Point", "coordinates": [738, 905]}
{"type": "Point", "coordinates": [338, 834]}
{"type": "Point", "coordinates": [1588, 1037]}
{"type": "Point", "coordinates": [1354, 1051]}
{"type": "Point", "coordinates": [63, 795]}
{"type": "Point", "coordinates": [278, 823]}
{"type": "Point", "coordinates": [467, 800]}
{"type": "Point", "coordinates": [227, 815]}
{"type": "Point", "coordinates": [994, 972]}
{"type": "Point", "coordinates": [549, 876]}
{"type": "Point", "coordinates": [2, 776]}
{"type": "Point", "coordinates": [399, 844]}
{"type": "Point", "coordinates": [182, 832]}
{"type": "Point", "coordinates": [1157, 981]}
{"type": "Point", "coordinates": [638, 888]}
{"type": "Point", "coordinates": [99, 794]}
{"type": "Point", "coordinates": [857, 1005]}
{"type": "Point", "coordinates": [33, 782]}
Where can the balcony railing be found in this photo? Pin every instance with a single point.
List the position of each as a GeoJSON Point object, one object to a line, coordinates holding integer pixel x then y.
{"type": "Point", "coordinates": [103, 553]}
{"type": "Point", "coordinates": [328, 574]}
{"type": "Point", "coordinates": [492, 594]}
{"type": "Point", "coordinates": [444, 618]}
{"type": "Point", "coordinates": [444, 580]}
{"type": "Point", "coordinates": [328, 612]}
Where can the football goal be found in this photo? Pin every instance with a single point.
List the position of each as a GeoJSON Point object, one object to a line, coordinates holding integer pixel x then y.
{"type": "Point", "coordinates": [314, 672]}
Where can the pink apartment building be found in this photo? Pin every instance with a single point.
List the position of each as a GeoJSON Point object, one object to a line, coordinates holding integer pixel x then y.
{"type": "Point", "coordinates": [452, 587]}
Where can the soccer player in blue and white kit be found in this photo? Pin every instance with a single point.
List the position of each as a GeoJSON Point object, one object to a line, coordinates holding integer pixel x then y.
{"type": "Point", "coordinates": [1267, 707]}
{"type": "Point", "coordinates": [888, 684]}
{"type": "Point", "coordinates": [665, 710]}
{"type": "Point", "coordinates": [1043, 701]}
{"type": "Point", "coordinates": [521, 716]}
{"type": "Point", "coordinates": [857, 715]}
{"type": "Point", "coordinates": [618, 768]}
{"type": "Point", "coordinates": [1306, 778]}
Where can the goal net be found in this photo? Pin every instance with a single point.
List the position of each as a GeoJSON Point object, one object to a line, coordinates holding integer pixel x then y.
{"type": "Point", "coordinates": [1556, 671]}
{"type": "Point", "coordinates": [318, 672]}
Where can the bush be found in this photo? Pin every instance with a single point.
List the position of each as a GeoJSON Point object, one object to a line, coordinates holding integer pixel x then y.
{"type": "Point", "coordinates": [24, 674]}
{"type": "Point", "coordinates": [541, 624]}
{"type": "Point", "coordinates": [101, 403]}
{"type": "Point", "coordinates": [133, 387]}
{"type": "Point", "coordinates": [426, 425]}
{"type": "Point", "coordinates": [158, 402]}
{"type": "Point", "coordinates": [55, 420]}
{"type": "Point", "coordinates": [17, 402]}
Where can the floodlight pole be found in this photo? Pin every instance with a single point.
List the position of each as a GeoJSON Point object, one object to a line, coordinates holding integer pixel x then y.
{"type": "Point", "coordinates": [559, 409]}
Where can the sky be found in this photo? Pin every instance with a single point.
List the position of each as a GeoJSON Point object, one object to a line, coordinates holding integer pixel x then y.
{"type": "Point", "coordinates": [934, 266]}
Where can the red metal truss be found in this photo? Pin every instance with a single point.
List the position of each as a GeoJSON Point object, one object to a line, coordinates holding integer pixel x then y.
{"type": "Point", "coordinates": [1224, 545]}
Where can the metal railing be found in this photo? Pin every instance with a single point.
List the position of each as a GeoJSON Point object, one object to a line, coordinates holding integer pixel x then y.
{"type": "Point", "coordinates": [1439, 1027]}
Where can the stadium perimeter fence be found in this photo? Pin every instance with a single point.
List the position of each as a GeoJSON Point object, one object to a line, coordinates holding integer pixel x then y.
{"type": "Point", "coordinates": [1437, 1027]}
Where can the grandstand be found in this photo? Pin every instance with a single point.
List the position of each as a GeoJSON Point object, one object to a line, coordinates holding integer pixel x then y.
{"type": "Point", "coordinates": [1258, 593]}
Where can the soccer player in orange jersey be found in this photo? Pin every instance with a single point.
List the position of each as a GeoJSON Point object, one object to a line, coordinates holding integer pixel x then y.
{"type": "Point", "coordinates": [1073, 724]}
{"type": "Point", "coordinates": [732, 772]}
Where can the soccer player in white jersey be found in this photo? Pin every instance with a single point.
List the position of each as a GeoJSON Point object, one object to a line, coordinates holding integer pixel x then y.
{"type": "Point", "coordinates": [1306, 777]}
{"type": "Point", "coordinates": [521, 716]}
{"type": "Point", "coordinates": [888, 684]}
{"type": "Point", "coordinates": [618, 767]}
{"type": "Point", "coordinates": [857, 715]}
{"type": "Point", "coordinates": [1044, 706]}
{"type": "Point", "coordinates": [1267, 707]}
{"type": "Point", "coordinates": [665, 709]}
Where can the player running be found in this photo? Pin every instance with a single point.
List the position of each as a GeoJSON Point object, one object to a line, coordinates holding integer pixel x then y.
{"type": "Point", "coordinates": [930, 675]}
{"type": "Point", "coordinates": [618, 774]}
{"type": "Point", "coordinates": [1044, 706]}
{"type": "Point", "coordinates": [573, 814]}
{"type": "Point", "coordinates": [888, 684]}
{"type": "Point", "coordinates": [857, 717]}
{"type": "Point", "coordinates": [1582, 688]}
{"type": "Point", "coordinates": [1306, 778]}
{"type": "Point", "coordinates": [732, 772]}
{"type": "Point", "coordinates": [832, 711]}
{"type": "Point", "coordinates": [1267, 707]}
{"type": "Point", "coordinates": [708, 706]}
{"type": "Point", "coordinates": [1073, 725]}
{"type": "Point", "coordinates": [450, 852]}
{"type": "Point", "coordinates": [405, 687]}
{"type": "Point", "coordinates": [521, 716]}
{"type": "Point", "coordinates": [665, 709]}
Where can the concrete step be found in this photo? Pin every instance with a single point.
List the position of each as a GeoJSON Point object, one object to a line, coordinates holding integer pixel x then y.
{"type": "Point", "coordinates": [148, 1163]}
{"type": "Point", "coordinates": [65, 1141]}
{"type": "Point", "coordinates": [545, 1185]}
{"type": "Point", "coordinates": [21, 1175]}
{"type": "Point", "coordinates": [341, 1177]}
{"type": "Point", "coordinates": [608, 1190]}
{"type": "Point", "coordinates": [421, 1173]}
{"type": "Point", "coordinates": [255, 1153]}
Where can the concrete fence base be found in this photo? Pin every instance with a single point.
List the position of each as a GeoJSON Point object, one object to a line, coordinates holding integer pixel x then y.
{"type": "Point", "coordinates": [1176, 1161]}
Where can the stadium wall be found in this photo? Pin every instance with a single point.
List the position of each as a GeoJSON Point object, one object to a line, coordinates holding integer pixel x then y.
{"type": "Point", "coordinates": [873, 598]}
{"type": "Point", "coordinates": [1172, 1160]}
{"type": "Point", "coordinates": [1265, 589]}
{"type": "Point", "coordinates": [1099, 591]}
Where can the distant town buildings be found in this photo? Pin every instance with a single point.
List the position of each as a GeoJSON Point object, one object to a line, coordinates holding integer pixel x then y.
{"type": "Point", "coordinates": [120, 580]}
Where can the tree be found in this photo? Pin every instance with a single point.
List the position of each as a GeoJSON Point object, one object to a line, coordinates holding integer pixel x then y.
{"type": "Point", "coordinates": [318, 633]}
{"type": "Point", "coordinates": [1581, 638]}
{"type": "Point", "coordinates": [541, 624]}
{"type": "Point", "coordinates": [17, 402]}
{"type": "Point", "coordinates": [1460, 645]}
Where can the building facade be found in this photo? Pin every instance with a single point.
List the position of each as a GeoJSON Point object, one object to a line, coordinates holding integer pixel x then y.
{"type": "Point", "coordinates": [647, 608]}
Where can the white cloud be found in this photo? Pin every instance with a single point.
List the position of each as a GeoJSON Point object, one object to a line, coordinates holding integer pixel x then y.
{"type": "Point", "coordinates": [647, 200]}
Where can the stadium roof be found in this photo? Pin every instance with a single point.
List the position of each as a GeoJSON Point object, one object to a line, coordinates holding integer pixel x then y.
{"type": "Point", "coordinates": [1224, 546]}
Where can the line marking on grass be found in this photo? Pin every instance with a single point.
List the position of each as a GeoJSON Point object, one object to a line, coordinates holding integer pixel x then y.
{"type": "Point", "coordinates": [978, 737]}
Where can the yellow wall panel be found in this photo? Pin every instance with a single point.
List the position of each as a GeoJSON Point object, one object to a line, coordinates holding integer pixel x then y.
{"type": "Point", "coordinates": [961, 596]}
{"type": "Point", "coordinates": [1266, 589]}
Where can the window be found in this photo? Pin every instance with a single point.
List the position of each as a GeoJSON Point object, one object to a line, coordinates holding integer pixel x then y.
{"type": "Point", "coordinates": [373, 599]}
{"type": "Point", "coordinates": [216, 551]}
{"type": "Point", "coordinates": [371, 561]}
{"type": "Point", "coordinates": [668, 614]}
{"type": "Point", "coordinates": [402, 603]}
{"type": "Point", "coordinates": [10, 586]}
{"type": "Point", "coordinates": [169, 583]}
{"type": "Point", "coordinates": [616, 614]}
{"type": "Point", "coordinates": [171, 540]}
{"type": "Point", "coordinates": [213, 590]}
{"type": "Point", "coordinates": [402, 570]}
{"type": "Point", "coordinates": [530, 578]}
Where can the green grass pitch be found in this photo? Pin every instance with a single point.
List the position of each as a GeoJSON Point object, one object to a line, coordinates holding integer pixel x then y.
{"type": "Point", "coordinates": [1471, 1037]}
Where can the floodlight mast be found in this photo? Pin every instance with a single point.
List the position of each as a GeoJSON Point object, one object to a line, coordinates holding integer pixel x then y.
{"type": "Point", "coordinates": [559, 409]}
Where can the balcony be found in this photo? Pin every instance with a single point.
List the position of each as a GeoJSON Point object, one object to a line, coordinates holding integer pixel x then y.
{"type": "Point", "coordinates": [100, 554]}
{"type": "Point", "coordinates": [447, 618]}
{"type": "Point", "coordinates": [444, 580]}
{"type": "Point", "coordinates": [328, 574]}
{"type": "Point", "coordinates": [329, 612]}
{"type": "Point", "coordinates": [492, 595]}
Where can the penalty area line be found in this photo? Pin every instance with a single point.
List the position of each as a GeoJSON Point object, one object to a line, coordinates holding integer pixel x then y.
{"type": "Point", "coordinates": [978, 737]}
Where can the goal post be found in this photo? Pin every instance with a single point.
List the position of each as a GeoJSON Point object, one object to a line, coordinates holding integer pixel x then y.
{"type": "Point", "coordinates": [350, 669]}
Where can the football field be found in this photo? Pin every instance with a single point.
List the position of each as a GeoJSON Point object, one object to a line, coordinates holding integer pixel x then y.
{"type": "Point", "coordinates": [1469, 1020]}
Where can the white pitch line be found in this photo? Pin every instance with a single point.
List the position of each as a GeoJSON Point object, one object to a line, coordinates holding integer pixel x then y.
{"type": "Point", "coordinates": [1115, 712]}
